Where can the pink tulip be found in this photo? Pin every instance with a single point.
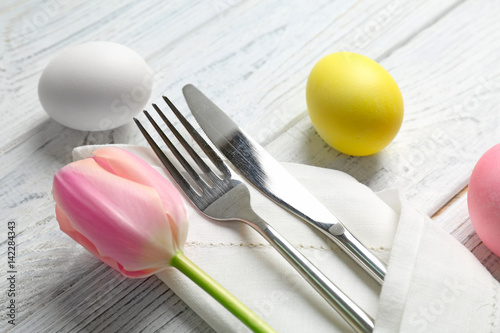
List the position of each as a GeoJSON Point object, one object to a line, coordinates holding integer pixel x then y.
{"type": "Point", "coordinates": [129, 216]}
{"type": "Point", "coordinates": [121, 210]}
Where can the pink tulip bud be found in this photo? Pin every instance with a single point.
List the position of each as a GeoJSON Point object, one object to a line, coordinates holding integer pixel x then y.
{"type": "Point", "coordinates": [121, 210]}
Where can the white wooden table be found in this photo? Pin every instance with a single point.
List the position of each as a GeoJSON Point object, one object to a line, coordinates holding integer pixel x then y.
{"type": "Point", "coordinates": [252, 57]}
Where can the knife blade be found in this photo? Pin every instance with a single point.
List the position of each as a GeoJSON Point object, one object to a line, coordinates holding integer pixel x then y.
{"type": "Point", "coordinates": [261, 170]}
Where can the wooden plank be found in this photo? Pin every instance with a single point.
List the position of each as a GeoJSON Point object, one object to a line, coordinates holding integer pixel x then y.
{"type": "Point", "coordinates": [451, 88]}
{"type": "Point", "coordinates": [119, 304]}
{"type": "Point", "coordinates": [450, 203]}
{"type": "Point", "coordinates": [254, 44]}
{"type": "Point", "coordinates": [36, 32]}
{"type": "Point", "coordinates": [455, 220]}
{"type": "Point", "coordinates": [264, 77]}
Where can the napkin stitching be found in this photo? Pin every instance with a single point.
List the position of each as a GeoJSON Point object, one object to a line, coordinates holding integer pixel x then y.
{"type": "Point", "coordinates": [380, 249]}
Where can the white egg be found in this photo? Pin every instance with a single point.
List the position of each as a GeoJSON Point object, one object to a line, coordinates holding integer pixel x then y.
{"type": "Point", "coordinates": [95, 86]}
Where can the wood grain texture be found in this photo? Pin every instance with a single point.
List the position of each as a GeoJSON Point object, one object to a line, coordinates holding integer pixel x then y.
{"type": "Point", "coordinates": [456, 221]}
{"type": "Point", "coordinates": [252, 58]}
{"type": "Point", "coordinates": [451, 115]}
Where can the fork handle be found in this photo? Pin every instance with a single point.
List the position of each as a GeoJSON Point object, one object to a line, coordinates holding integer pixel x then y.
{"type": "Point", "coordinates": [350, 311]}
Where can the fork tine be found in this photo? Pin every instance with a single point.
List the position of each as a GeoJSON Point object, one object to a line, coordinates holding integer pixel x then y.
{"type": "Point", "coordinates": [212, 155]}
{"type": "Point", "coordinates": [185, 164]}
{"type": "Point", "coordinates": [198, 160]}
{"type": "Point", "coordinates": [181, 181]}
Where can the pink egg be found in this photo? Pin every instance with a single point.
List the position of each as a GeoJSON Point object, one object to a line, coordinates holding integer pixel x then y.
{"type": "Point", "coordinates": [484, 199]}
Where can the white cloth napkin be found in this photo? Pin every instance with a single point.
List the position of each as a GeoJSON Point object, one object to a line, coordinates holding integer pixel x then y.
{"type": "Point", "coordinates": [433, 283]}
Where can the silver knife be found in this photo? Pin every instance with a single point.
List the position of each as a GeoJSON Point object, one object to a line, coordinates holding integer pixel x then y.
{"type": "Point", "coordinates": [270, 178]}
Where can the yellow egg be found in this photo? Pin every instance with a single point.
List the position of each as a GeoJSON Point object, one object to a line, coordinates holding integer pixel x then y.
{"type": "Point", "coordinates": [354, 103]}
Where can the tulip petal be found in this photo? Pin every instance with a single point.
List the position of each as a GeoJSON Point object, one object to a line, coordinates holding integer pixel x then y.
{"type": "Point", "coordinates": [66, 227]}
{"type": "Point", "coordinates": [124, 219]}
{"type": "Point", "coordinates": [131, 167]}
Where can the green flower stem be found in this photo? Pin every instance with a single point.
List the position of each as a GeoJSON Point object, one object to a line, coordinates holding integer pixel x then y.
{"type": "Point", "coordinates": [224, 297]}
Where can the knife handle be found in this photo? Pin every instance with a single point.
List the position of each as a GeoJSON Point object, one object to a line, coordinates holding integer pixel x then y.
{"type": "Point", "coordinates": [350, 311]}
{"type": "Point", "coordinates": [357, 251]}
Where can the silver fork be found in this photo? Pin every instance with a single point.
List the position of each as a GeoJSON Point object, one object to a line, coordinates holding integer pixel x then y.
{"type": "Point", "coordinates": [224, 198]}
